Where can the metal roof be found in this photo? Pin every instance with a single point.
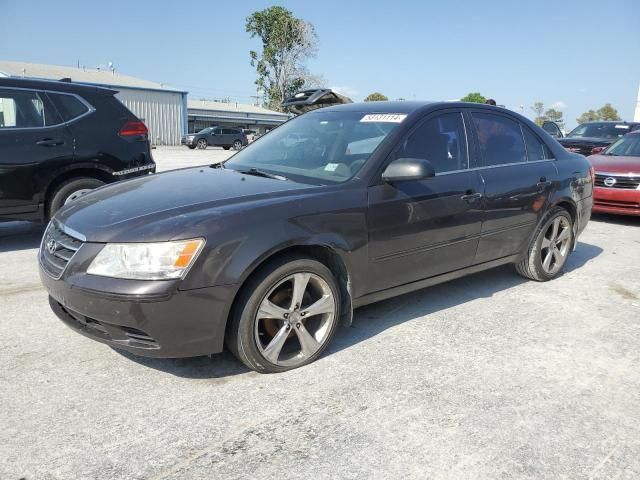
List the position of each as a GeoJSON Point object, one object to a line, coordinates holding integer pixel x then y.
{"type": "Point", "coordinates": [230, 107]}
{"type": "Point", "coordinates": [81, 75]}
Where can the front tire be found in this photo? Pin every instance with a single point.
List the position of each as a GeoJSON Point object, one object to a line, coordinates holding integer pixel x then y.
{"type": "Point", "coordinates": [69, 191]}
{"type": "Point", "coordinates": [226, 147]}
{"type": "Point", "coordinates": [286, 315]}
{"type": "Point", "coordinates": [549, 248]}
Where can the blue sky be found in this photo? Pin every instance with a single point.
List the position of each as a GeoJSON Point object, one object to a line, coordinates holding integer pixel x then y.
{"type": "Point", "coordinates": [574, 55]}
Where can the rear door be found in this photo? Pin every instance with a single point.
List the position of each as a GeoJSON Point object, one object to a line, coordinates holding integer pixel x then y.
{"type": "Point", "coordinates": [216, 137]}
{"type": "Point", "coordinates": [422, 228]}
{"type": "Point", "coordinates": [519, 176]}
{"type": "Point", "coordinates": [33, 138]}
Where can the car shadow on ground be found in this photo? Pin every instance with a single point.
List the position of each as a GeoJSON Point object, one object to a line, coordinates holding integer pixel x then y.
{"type": "Point", "coordinates": [627, 220]}
{"type": "Point", "coordinates": [15, 236]}
{"type": "Point", "coordinates": [374, 319]}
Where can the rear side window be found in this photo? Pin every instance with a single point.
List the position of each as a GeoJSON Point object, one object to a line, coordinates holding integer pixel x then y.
{"type": "Point", "coordinates": [69, 106]}
{"type": "Point", "coordinates": [536, 149]}
{"type": "Point", "coordinates": [500, 140]}
{"type": "Point", "coordinates": [22, 109]}
{"type": "Point", "coordinates": [441, 140]}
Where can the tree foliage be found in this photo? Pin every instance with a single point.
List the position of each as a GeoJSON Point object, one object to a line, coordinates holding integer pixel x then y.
{"type": "Point", "coordinates": [555, 116]}
{"type": "Point", "coordinates": [376, 97]}
{"type": "Point", "coordinates": [473, 97]}
{"type": "Point", "coordinates": [538, 109]}
{"type": "Point", "coordinates": [606, 112]}
{"type": "Point", "coordinates": [287, 42]}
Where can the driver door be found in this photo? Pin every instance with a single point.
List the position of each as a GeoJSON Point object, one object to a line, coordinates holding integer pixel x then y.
{"type": "Point", "coordinates": [422, 228]}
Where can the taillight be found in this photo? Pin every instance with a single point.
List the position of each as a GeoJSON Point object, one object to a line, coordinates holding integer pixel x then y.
{"type": "Point", "coordinates": [134, 128]}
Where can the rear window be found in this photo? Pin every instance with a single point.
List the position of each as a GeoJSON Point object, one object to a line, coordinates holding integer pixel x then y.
{"type": "Point", "coordinates": [500, 139]}
{"type": "Point", "coordinates": [69, 106]}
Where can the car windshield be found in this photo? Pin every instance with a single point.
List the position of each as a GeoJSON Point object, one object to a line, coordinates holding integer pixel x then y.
{"type": "Point", "coordinates": [600, 130]}
{"type": "Point", "coordinates": [629, 146]}
{"type": "Point", "coordinates": [318, 147]}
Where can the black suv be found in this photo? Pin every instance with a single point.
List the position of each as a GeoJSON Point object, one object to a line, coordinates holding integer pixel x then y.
{"type": "Point", "coordinates": [59, 140]}
{"type": "Point", "coordinates": [216, 137]}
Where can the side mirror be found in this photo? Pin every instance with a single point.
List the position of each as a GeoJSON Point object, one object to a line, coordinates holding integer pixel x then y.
{"type": "Point", "coordinates": [408, 169]}
{"type": "Point", "coordinates": [597, 150]}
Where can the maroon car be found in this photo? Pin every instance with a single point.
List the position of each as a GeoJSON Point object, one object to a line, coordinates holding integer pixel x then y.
{"type": "Point", "coordinates": [617, 169]}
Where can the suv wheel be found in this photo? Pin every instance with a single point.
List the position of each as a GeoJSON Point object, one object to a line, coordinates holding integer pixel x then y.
{"type": "Point", "coordinates": [226, 147]}
{"type": "Point", "coordinates": [549, 248]}
{"type": "Point", "coordinates": [71, 190]}
{"type": "Point", "coordinates": [202, 144]}
{"type": "Point", "coordinates": [237, 145]}
{"type": "Point", "coordinates": [286, 316]}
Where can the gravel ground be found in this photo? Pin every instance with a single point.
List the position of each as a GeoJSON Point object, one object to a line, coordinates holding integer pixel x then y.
{"type": "Point", "coordinates": [488, 376]}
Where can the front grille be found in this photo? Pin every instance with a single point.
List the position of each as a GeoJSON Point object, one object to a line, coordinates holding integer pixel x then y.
{"type": "Point", "coordinates": [57, 249]}
{"type": "Point", "coordinates": [617, 204]}
{"type": "Point", "coordinates": [617, 181]}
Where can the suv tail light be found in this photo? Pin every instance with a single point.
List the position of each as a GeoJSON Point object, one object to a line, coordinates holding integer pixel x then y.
{"type": "Point", "coordinates": [133, 129]}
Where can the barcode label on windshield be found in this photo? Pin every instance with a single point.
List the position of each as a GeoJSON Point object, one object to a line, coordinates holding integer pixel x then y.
{"type": "Point", "coordinates": [384, 117]}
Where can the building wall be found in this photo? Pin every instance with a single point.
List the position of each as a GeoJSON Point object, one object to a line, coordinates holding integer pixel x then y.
{"type": "Point", "coordinates": [162, 112]}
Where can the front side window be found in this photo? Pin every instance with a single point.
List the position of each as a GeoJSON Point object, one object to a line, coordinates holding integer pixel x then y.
{"type": "Point", "coordinates": [500, 140]}
{"type": "Point", "coordinates": [440, 140]}
{"type": "Point", "coordinates": [319, 147]}
{"type": "Point", "coordinates": [21, 109]}
{"type": "Point", "coordinates": [600, 130]}
{"type": "Point", "coordinates": [627, 146]}
{"type": "Point", "coordinates": [69, 106]}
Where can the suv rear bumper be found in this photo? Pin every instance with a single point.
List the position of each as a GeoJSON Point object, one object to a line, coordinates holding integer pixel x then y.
{"type": "Point", "coordinates": [181, 324]}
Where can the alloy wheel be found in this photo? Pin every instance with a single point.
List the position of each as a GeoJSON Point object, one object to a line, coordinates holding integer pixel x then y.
{"type": "Point", "coordinates": [237, 145]}
{"type": "Point", "coordinates": [295, 319]}
{"type": "Point", "coordinates": [202, 144]}
{"type": "Point", "coordinates": [555, 245]}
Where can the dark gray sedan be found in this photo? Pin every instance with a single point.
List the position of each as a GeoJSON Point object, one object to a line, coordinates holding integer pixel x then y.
{"type": "Point", "coordinates": [342, 206]}
{"type": "Point", "coordinates": [216, 137]}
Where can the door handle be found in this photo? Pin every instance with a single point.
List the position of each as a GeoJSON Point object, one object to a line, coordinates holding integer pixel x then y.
{"type": "Point", "coordinates": [50, 142]}
{"type": "Point", "coordinates": [543, 183]}
{"type": "Point", "coordinates": [471, 197]}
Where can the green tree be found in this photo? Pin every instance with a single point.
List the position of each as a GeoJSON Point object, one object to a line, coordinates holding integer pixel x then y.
{"type": "Point", "coordinates": [608, 113]}
{"type": "Point", "coordinates": [555, 116]}
{"type": "Point", "coordinates": [376, 97]}
{"type": "Point", "coordinates": [287, 42]}
{"type": "Point", "coordinates": [589, 116]}
{"type": "Point", "coordinates": [538, 109]}
{"type": "Point", "coordinates": [473, 97]}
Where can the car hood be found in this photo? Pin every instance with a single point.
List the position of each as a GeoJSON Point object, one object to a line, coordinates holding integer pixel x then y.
{"type": "Point", "coordinates": [159, 207]}
{"type": "Point", "coordinates": [595, 141]}
{"type": "Point", "coordinates": [615, 164]}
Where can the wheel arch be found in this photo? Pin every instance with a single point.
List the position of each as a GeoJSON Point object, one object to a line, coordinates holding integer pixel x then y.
{"type": "Point", "coordinates": [323, 253]}
{"type": "Point", "coordinates": [92, 171]}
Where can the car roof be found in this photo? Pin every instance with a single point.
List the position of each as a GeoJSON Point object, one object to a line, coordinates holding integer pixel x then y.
{"type": "Point", "coordinates": [613, 122]}
{"type": "Point", "coordinates": [406, 106]}
{"type": "Point", "coordinates": [58, 86]}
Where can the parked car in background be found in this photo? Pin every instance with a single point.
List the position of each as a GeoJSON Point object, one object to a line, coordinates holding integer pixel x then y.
{"type": "Point", "coordinates": [617, 170]}
{"type": "Point", "coordinates": [272, 249]}
{"type": "Point", "coordinates": [59, 140]}
{"type": "Point", "coordinates": [587, 136]}
{"type": "Point", "coordinates": [216, 137]}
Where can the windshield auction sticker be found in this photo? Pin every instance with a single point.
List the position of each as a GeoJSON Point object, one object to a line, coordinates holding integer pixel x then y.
{"type": "Point", "coordinates": [384, 117]}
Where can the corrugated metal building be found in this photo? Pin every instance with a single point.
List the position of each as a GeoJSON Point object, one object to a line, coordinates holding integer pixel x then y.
{"type": "Point", "coordinates": [162, 108]}
{"type": "Point", "coordinates": [206, 113]}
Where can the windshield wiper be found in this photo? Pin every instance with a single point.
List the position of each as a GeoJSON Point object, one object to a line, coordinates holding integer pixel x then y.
{"type": "Point", "coordinates": [262, 173]}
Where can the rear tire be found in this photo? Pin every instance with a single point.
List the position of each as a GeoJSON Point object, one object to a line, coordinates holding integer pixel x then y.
{"type": "Point", "coordinates": [69, 191]}
{"type": "Point", "coordinates": [237, 144]}
{"type": "Point", "coordinates": [202, 144]}
{"type": "Point", "coordinates": [549, 248]}
{"type": "Point", "coordinates": [269, 309]}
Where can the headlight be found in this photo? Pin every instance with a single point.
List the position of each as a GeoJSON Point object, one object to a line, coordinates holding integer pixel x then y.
{"type": "Point", "coordinates": [146, 261]}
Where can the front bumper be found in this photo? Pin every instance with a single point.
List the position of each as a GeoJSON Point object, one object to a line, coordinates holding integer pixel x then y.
{"type": "Point", "coordinates": [175, 324]}
{"type": "Point", "coordinates": [188, 141]}
{"type": "Point", "coordinates": [616, 200]}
